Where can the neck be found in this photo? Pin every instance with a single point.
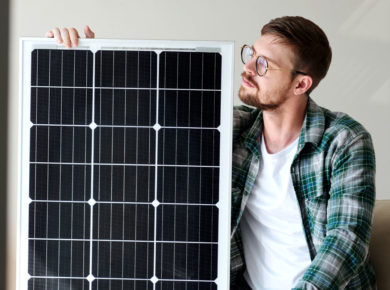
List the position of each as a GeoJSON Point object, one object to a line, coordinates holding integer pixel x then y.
{"type": "Point", "coordinates": [283, 125]}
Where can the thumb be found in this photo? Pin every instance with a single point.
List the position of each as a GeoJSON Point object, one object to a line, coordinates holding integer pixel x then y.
{"type": "Point", "coordinates": [88, 32]}
{"type": "Point", "coordinates": [49, 34]}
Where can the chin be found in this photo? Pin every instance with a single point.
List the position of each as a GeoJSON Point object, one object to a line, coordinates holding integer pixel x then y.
{"type": "Point", "coordinates": [248, 98]}
{"type": "Point", "coordinates": [253, 99]}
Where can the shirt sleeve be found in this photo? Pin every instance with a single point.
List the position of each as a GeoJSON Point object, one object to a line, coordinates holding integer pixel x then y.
{"type": "Point", "coordinates": [344, 251]}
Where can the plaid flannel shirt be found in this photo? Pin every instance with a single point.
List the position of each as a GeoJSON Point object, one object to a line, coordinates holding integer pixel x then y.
{"type": "Point", "coordinates": [333, 174]}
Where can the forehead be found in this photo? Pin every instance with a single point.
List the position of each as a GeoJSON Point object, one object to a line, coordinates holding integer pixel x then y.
{"type": "Point", "coordinates": [271, 47]}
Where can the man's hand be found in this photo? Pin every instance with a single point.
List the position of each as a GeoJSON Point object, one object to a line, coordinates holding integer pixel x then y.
{"type": "Point", "coordinates": [69, 36]}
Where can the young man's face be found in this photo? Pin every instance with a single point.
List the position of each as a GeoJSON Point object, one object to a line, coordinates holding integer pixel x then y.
{"type": "Point", "coordinates": [270, 91]}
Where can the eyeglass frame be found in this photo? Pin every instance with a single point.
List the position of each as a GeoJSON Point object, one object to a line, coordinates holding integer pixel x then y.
{"type": "Point", "coordinates": [266, 61]}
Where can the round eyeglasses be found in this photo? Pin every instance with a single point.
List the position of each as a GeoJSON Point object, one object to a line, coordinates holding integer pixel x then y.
{"type": "Point", "coordinates": [261, 62]}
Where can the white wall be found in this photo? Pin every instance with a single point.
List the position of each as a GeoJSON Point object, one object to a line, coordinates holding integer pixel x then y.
{"type": "Point", "coordinates": [358, 81]}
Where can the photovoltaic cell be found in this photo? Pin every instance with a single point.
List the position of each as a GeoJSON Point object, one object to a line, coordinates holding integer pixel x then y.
{"type": "Point", "coordinates": [186, 261]}
{"type": "Point", "coordinates": [67, 220]}
{"type": "Point", "coordinates": [60, 144]}
{"type": "Point", "coordinates": [128, 69]}
{"type": "Point", "coordinates": [190, 70]}
{"type": "Point", "coordinates": [188, 147]}
{"type": "Point", "coordinates": [200, 184]}
{"type": "Point", "coordinates": [61, 106]}
{"type": "Point", "coordinates": [63, 182]}
{"type": "Point", "coordinates": [129, 183]}
{"type": "Point", "coordinates": [61, 68]}
{"type": "Point", "coordinates": [124, 169]}
{"type": "Point", "coordinates": [124, 222]}
{"type": "Point", "coordinates": [124, 145]}
{"type": "Point", "coordinates": [71, 258]}
{"type": "Point", "coordinates": [192, 223]}
{"type": "Point", "coordinates": [190, 108]}
{"type": "Point", "coordinates": [132, 260]}
{"type": "Point", "coordinates": [121, 107]}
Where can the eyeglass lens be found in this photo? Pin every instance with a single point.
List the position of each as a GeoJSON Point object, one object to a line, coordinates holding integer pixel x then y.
{"type": "Point", "coordinates": [261, 63]}
{"type": "Point", "coordinates": [246, 54]}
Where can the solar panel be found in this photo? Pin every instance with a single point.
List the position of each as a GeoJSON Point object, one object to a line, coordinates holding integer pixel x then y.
{"type": "Point", "coordinates": [125, 173]}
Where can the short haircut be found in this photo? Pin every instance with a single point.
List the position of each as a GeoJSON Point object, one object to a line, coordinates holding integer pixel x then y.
{"type": "Point", "coordinates": [310, 44]}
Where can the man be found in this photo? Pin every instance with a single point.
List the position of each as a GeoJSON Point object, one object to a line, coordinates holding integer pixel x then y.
{"type": "Point", "coordinates": [303, 177]}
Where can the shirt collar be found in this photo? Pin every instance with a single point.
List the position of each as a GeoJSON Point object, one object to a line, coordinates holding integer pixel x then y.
{"type": "Point", "coordinates": [313, 125]}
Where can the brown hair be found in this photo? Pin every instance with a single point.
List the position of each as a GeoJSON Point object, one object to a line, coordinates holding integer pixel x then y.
{"type": "Point", "coordinates": [313, 52]}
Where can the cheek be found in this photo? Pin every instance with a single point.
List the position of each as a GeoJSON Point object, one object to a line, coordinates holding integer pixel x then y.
{"type": "Point", "coordinates": [266, 84]}
{"type": "Point", "coordinates": [259, 82]}
{"type": "Point", "coordinates": [279, 84]}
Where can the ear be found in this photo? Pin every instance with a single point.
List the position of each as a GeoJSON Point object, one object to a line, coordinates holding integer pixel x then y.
{"type": "Point", "coordinates": [302, 84]}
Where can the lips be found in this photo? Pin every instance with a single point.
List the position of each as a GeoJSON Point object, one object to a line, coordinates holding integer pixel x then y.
{"type": "Point", "coordinates": [247, 83]}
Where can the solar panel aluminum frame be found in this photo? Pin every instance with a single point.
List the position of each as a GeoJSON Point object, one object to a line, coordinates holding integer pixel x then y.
{"type": "Point", "coordinates": [226, 49]}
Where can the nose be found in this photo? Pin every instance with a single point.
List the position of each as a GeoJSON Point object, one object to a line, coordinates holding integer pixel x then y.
{"type": "Point", "coordinates": [250, 66]}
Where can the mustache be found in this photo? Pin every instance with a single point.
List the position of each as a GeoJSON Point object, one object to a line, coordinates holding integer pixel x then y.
{"type": "Point", "coordinates": [248, 78]}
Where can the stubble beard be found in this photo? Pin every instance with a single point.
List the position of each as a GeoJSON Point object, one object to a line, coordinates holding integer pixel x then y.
{"type": "Point", "coordinates": [254, 98]}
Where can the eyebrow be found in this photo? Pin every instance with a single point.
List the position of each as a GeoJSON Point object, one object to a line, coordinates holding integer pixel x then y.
{"type": "Point", "coordinates": [266, 57]}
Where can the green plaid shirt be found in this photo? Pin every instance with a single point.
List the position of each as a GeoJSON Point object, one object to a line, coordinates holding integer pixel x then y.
{"type": "Point", "coordinates": [333, 174]}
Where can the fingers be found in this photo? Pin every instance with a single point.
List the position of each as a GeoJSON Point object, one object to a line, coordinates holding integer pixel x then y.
{"type": "Point", "coordinates": [88, 32]}
{"type": "Point", "coordinates": [57, 35]}
{"type": "Point", "coordinates": [66, 37]}
{"type": "Point", "coordinates": [74, 37]}
{"type": "Point", "coordinates": [69, 37]}
{"type": "Point", "coordinates": [49, 34]}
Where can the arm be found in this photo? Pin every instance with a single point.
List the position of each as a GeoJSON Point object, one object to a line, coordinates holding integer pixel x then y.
{"type": "Point", "coordinates": [349, 218]}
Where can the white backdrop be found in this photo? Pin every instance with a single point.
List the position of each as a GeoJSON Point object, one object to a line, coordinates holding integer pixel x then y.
{"type": "Point", "coordinates": [358, 80]}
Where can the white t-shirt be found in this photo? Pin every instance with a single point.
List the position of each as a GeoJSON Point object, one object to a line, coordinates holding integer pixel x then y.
{"type": "Point", "coordinates": [275, 248]}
